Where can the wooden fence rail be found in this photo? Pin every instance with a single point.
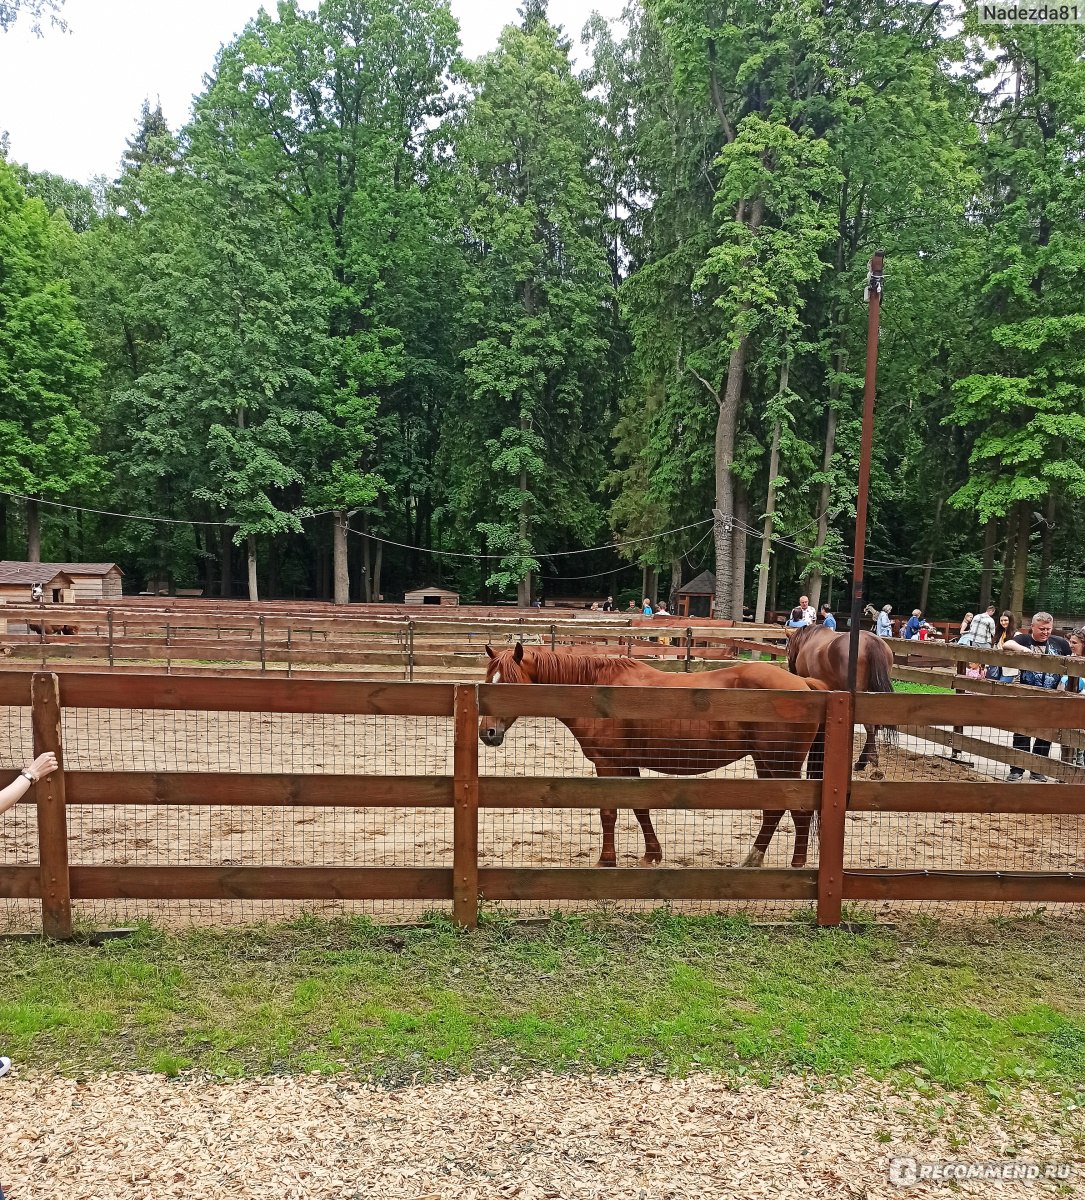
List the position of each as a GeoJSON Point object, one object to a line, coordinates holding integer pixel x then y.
{"type": "Point", "coordinates": [56, 883]}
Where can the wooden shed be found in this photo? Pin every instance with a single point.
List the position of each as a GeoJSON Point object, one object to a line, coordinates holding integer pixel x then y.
{"type": "Point", "coordinates": [89, 581]}
{"type": "Point", "coordinates": [17, 579]}
{"type": "Point", "coordinates": [431, 595]}
{"type": "Point", "coordinates": [696, 597]}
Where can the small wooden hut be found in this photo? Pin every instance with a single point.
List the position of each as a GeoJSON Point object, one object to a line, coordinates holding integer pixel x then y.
{"type": "Point", "coordinates": [431, 595]}
{"type": "Point", "coordinates": [696, 597]}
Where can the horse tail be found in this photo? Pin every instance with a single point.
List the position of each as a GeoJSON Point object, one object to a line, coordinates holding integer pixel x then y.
{"type": "Point", "coordinates": [879, 680]}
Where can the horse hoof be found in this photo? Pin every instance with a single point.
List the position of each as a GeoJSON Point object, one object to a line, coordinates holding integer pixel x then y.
{"type": "Point", "coordinates": [877, 774]}
{"type": "Point", "coordinates": [755, 858]}
{"type": "Point", "coordinates": [607, 862]}
{"type": "Point", "coordinates": [651, 860]}
{"type": "Point", "coordinates": [798, 862]}
{"type": "Point", "coordinates": [860, 766]}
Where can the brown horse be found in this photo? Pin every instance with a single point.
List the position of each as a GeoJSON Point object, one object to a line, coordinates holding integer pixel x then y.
{"type": "Point", "coordinates": [46, 630]}
{"type": "Point", "coordinates": [622, 747]}
{"type": "Point", "coordinates": [819, 653]}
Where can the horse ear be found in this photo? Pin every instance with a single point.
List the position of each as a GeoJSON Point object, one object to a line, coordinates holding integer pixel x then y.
{"type": "Point", "coordinates": [518, 653]}
{"type": "Point", "coordinates": [490, 651]}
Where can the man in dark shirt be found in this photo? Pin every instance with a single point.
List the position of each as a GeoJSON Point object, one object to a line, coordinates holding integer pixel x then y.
{"type": "Point", "coordinates": [1041, 641]}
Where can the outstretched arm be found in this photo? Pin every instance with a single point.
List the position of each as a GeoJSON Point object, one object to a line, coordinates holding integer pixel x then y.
{"type": "Point", "coordinates": [44, 764]}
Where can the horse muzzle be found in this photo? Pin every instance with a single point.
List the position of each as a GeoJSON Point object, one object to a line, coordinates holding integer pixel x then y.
{"type": "Point", "coordinates": [491, 735]}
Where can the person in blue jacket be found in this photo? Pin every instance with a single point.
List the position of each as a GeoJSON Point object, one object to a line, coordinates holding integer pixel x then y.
{"type": "Point", "coordinates": [914, 624]}
{"type": "Point", "coordinates": [827, 618]}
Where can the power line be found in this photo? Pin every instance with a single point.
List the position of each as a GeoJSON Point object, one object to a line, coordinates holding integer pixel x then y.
{"type": "Point", "coordinates": [555, 554]}
{"type": "Point", "coordinates": [305, 515]}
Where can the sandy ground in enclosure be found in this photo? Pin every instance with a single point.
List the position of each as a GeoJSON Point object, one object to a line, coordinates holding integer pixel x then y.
{"type": "Point", "coordinates": [619, 1137]}
{"type": "Point", "coordinates": [223, 836]}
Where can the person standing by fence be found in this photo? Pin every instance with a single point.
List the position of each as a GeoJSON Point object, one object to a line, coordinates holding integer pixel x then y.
{"type": "Point", "coordinates": [982, 629]}
{"type": "Point", "coordinates": [883, 627]}
{"type": "Point", "coordinates": [44, 764]}
{"type": "Point", "coordinates": [1038, 641]}
{"type": "Point", "coordinates": [1076, 685]}
{"type": "Point", "coordinates": [827, 618]}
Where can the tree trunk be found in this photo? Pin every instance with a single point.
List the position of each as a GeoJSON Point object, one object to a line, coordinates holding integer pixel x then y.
{"type": "Point", "coordinates": [3, 527]}
{"type": "Point", "coordinates": [773, 582]}
{"type": "Point", "coordinates": [250, 544]}
{"type": "Point", "coordinates": [936, 537]}
{"type": "Point", "coordinates": [33, 531]}
{"type": "Point", "coordinates": [990, 533]}
{"type": "Point", "coordinates": [770, 507]}
{"type": "Point", "coordinates": [274, 549]}
{"type": "Point", "coordinates": [726, 429]}
{"type": "Point", "coordinates": [339, 550]}
{"type": "Point", "coordinates": [1020, 565]}
{"type": "Point", "coordinates": [523, 588]}
{"type": "Point", "coordinates": [1043, 592]}
{"type": "Point", "coordinates": [738, 552]}
{"type": "Point", "coordinates": [377, 557]}
{"type": "Point", "coordinates": [825, 492]}
{"type": "Point", "coordinates": [226, 587]}
{"type": "Point", "coordinates": [1008, 552]}
{"type": "Point", "coordinates": [676, 583]}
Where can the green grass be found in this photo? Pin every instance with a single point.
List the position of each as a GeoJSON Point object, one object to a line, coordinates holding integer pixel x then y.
{"type": "Point", "coordinates": [923, 689]}
{"type": "Point", "coordinates": [984, 1005]}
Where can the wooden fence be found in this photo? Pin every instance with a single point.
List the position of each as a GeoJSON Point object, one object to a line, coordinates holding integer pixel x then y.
{"type": "Point", "coordinates": [212, 642]}
{"type": "Point", "coordinates": [56, 882]}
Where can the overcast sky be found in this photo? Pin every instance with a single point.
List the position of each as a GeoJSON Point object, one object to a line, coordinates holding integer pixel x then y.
{"type": "Point", "coordinates": [70, 101]}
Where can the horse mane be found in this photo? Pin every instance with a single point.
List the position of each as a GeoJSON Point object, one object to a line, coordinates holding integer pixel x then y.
{"type": "Point", "coordinates": [795, 641]}
{"type": "Point", "coordinates": [569, 666]}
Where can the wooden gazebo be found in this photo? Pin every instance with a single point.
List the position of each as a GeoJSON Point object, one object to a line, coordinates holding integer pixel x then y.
{"type": "Point", "coordinates": [695, 598]}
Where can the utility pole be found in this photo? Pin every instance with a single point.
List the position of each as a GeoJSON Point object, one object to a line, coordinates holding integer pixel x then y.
{"type": "Point", "coordinates": [873, 296]}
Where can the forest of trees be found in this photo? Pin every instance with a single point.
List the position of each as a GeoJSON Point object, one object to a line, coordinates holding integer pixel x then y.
{"type": "Point", "coordinates": [375, 301]}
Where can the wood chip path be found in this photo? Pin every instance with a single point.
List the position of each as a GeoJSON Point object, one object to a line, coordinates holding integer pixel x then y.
{"type": "Point", "coordinates": [615, 1137]}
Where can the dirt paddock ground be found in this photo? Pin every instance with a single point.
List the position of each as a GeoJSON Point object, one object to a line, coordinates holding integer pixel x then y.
{"type": "Point", "coordinates": [122, 740]}
{"type": "Point", "coordinates": [614, 1137]}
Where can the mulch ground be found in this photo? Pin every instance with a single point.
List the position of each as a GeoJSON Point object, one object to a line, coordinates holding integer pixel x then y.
{"type": "Point", "coordinates": [618, 1137]}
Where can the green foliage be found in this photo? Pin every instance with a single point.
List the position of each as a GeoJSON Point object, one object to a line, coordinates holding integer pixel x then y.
{"type": "Point", "coordinates": [47, 365]}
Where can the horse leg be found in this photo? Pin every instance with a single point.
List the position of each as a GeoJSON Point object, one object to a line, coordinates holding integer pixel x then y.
{"type": "Point", "coordinates": [607, 856]}
{"type": "Point", "coordinates": [869, 754]}
{"type": "Point", "coordinates": [653, 852]}
{"type": "Point", "coordinates": [802, 837]}
{"type": "Point", "coordinates": [769, 821]}
{"type": "Point", "coordinates": [607, 817]}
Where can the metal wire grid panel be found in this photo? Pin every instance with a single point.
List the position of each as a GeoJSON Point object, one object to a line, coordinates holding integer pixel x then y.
{"type": "Point", "coordinates": [970, 841]}
{"type": "Point", "coordinates": [564, 837]}
{"type": "Point", "coordinates": [241, 835]}
{"type": "Point", "coordinates": [312, 744]}
{"type": "Point", "coordinates": [19, 825]}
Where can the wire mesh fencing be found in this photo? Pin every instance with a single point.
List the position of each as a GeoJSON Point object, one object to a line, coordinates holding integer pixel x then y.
{"type": "Point", "coordinates": [936, 833]}
{"type": "Point", "coordinates": [1010, 764]}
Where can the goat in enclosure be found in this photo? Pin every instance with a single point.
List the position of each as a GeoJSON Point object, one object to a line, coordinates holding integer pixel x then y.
{"type": "Point", "coordinates": [622, 747]}
{"type": "Point", "coordinates": [815, 652]}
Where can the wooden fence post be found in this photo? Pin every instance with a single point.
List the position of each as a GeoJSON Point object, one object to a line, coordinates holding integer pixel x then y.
{"type": "Point", "coordinates": [56, 895]}
{"type": "Point", "coordinates": [835, 783]}
{"type": "Point", "coordinates": [109, 623]}
{"type": "Point", "coordinates": [465, 814]}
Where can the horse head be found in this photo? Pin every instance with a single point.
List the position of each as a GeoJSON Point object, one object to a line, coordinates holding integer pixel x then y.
{"type": "Point", "coordinates": [505, 666]}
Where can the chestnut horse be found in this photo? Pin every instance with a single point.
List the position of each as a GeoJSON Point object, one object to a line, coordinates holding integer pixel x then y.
{"type": "Point", "coordinates": [819, 653]}
{"type": "Point", "coordinates": [622, 747]}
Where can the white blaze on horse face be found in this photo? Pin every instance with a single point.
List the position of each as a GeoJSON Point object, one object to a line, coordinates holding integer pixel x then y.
{"type": "Point", "coordinates": [497, 677]}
